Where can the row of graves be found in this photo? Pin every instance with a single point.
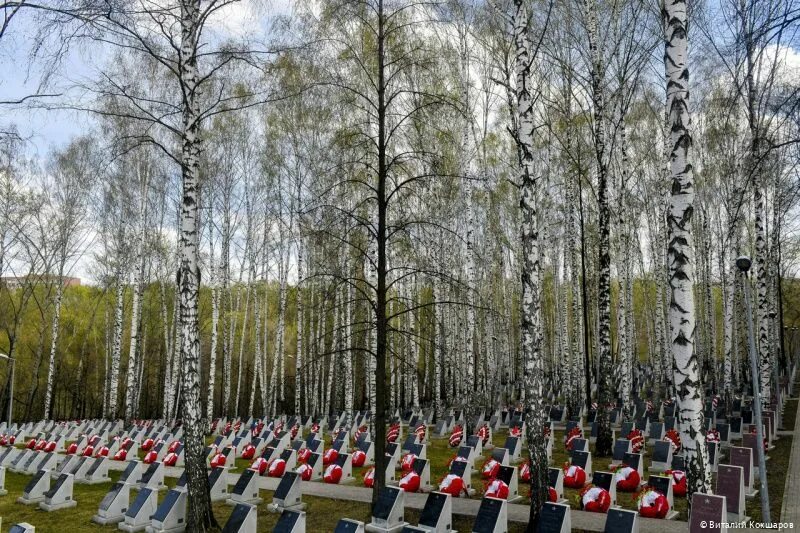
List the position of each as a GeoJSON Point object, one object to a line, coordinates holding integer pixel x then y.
{"type": "Point", "coordinates": [647, 461]}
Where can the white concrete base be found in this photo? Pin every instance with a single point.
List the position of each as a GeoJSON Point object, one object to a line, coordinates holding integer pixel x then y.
{"type": "Point", "coordinates": [104, 521]}
{"type": "Point", "coordinates": [29, 501]}
{"type": "Point", "coordinates": [44, 506]}
{"type": "Point", "coordinates": [394, 529]}
{"type": "Point", "coordinates": [131, 529]}
{"type": "Point", "coordinates": [273, 508]}
{"type": "Point", "coordinates": [179, 529]}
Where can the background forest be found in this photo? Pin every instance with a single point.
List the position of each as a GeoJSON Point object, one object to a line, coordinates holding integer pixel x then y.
{"type": "Point", "coordinates": [287, 233]}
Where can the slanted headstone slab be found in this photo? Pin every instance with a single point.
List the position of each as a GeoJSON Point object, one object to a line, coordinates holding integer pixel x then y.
{"type": "Point", "coordinates": [132, 473]}
{"type": "Point", "coordinates": [246, 489]}
{"type": "Point", "coordinates": [740, 456]}
{"type": "Point", "coordinates": [97, 472]}
{"type": "Point", "coordinates": [730, 483]}
{"type": "Point", "coordinates": [346, 525]}
{"type": "Point", "coordinates": [492, 516]}
{"type": "Point", "coordinates": [713, 455]}
{"type": "Point", "coordinates": [243, 519]}
{"type": "Point", "coordinates": [663, 484]}
{"type": "Point", "coordinates": [35, 489]}
{"type": "Point", "coordinates": [170, 514]}
{"type": "Point", "coordinates": [621, 521]}
{"type": "Point", "coordinates": [153, 476]}
{"type": "Point", "coordinates": [463, 470]}
{"type": "Point", "coordinates": [555, 479]}
{"type": "Point", "coordinates": [662, 456]}
{"type": "Point", "coordinates": [621, 447]}
{"type": "Point", "coordinates": [288, 494]}
{"type": "Point", "coordinates": [584, 460]}
{"type": "Point", "coordinates": [707, 513]}
{"type": "Point", "coordinates": [501, 456]}
{"type": "Point", "coordinates": [554, 518]}
{"type": "Point", "coordinates": [509, 476]}
{"type": "Point", "coordinates": [635, 461]}
{"type": "Point", "coordinates": [513, 446]}
{"type": "Point", "coordinates": [580, 445]}
{"type": "Point", "coordinates": [218, 484]}
{"type": "Point", "coordinates": [3, 490]}
{"type": "Point", "coordinates": [291, 522]}
{"type": "Point", "coordinates": [22, 527]}
{"type": "Point", "coordinates": [114, 505]}
{"type": "Point", "coordinates": [137, 518]}
{"type": "Point", "coordinates": [437, 515]}
{"type": "Point", "coordinates": [388, 513]}
{"type": "Point", "coordinates": [606, 480]}
{"type": "Point", "coordinates": [59, 496]}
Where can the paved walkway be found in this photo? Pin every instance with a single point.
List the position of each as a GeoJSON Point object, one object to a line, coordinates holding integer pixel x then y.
{"type": "Point", "coordinates": [790, 511]}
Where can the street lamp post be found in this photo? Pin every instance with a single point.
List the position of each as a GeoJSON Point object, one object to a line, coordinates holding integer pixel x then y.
{"type": "Point", "coordinates": [743, 263]}
{"type": "Point", "coordinates": [11, 361]}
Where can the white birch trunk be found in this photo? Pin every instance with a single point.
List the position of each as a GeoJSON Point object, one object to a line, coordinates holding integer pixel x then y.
{"type": "Point", "coordinates": [681, 251]}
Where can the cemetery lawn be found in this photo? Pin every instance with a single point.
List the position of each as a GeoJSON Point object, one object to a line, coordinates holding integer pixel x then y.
{"type": "Point", "coordinates": [323, 513]}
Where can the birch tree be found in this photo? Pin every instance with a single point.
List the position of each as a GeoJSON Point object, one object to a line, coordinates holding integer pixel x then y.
{"type": "Point", "coordinates": [680, 249]}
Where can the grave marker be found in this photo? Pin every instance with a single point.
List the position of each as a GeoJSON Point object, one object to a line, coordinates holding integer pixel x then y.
{"type": "Point", "coordinates": [153, 477]}
{"type": "Point", "coordinates": [663, 484]}
{"type": "Point", "coordinates": [114, 505]}
{"type": "Point", "coordinates": [554, 518]}
{"type": "Point", "coordinates": [621, 447]}
{"type": "Point", "coordinates": [606, 480]}
{"type": "Point", "coordinates": [730, 483]}
{"type": "Point", "coordinates": [492, 516]}
{"type": "Point", "coordinates": [243, 519]}
{"type": "Point", "coordinates": [662, 456]}
{"type": "Point", "coordinates": [739, 456]}
{"type": "Point", "coordinates": [707, 509]}
{"type": "Point", "coordinates": [509, 476]}
{"type": "Point", "coordinates": [170, 516]}
{"type": "Point", "coordinates": [555, 479]}
{"type": "Point", "coordinates": [621, 521]}
{"type": "Point", "coordinates": [60, 495]}
{"type": "Point", "coordinates": [291, 522]}
{"type": "Point", "coordinates": [246, 489]}
{"type": "Point", "coordinates": [288, 494]}
{"type": "Point", "coordinates": [437, 515]}
{"type": "Point", "coordinates": [35, 489]}
{"type": "Point", "coordinates": [138, 516]}
{"type": "Point", "coordinates": [388, 513]}
{"type": "Point", "coordinates": [346, 525]}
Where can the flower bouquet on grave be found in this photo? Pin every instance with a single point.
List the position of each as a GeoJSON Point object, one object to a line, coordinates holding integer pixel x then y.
{"type": "Point", "coordinates": [453, 485]}
{"type": "Point", "coordinates": [260, 465]}
{"type": "Point", "coordinates": [651, 503]}
{"type": "Point", "coordinates": [525, 472]}
{"type": "Point", "coordinates": [574, 476]}
{"type": "Point", "coordinates": [393, 433]}
{"type": "Point", "coordinates": [595, 499]}
{"type": "Point", "coordinates": [626, 478]}
{"type": "Point", "coordinates": [456, 436]}
{"type": "Point", "coordinates": [490, 469]}
{"type": "Point", "coordinates": [359, 458]}
{"type": "Point", "coordinates": [678, 482]}
{"type": "Point", "coordinates": [407, 462]}
{"type": "Point", "coordinates": [637, 440]}
{"type": "Point", "coordinates": [497, 488]}
{"type": "Point", "coordinates": [410, 482]}
{"type": "Point", "coordinates": [420, 431]}
{"type": "Point", "coordinates": [303, 455]}
{"type": "Point", "coordinates": [333, 474]}
{"type": "Point", "coordinates": [674, 438]}
{"type": "Point", "coordinates": [713, 436]}
{"type": "Point", "coordinates": [484, 433]}
{"type": "Point", "coordinates": [369, 477]}
{"type": "Point", "coordinates": [569, 438]}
